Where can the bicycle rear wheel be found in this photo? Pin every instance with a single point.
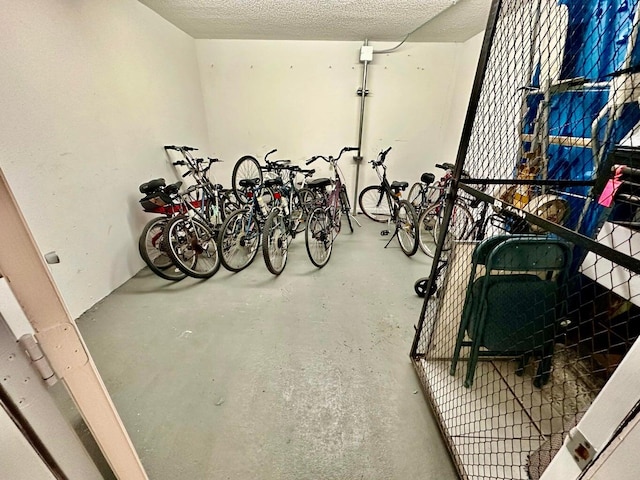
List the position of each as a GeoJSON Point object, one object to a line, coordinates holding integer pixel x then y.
{"type": "Point", "coordinates": [230, 203]}
{"type": "Point", "coordinates": [427, 221]}
{"type": "Point", "coordinates": [374, 203]}
{"type": "Point", "coordinates": [415, 196]}
{"type": "Point", "coordinates": [154, 253]}
{"type": "Point", "coordinates": [319, 237]}
{"type": "Point", "coordinates": [192, 247]}
{"type": "Point", "coordinates": [429, 226]}
{"type": "Point", "coordinates": [407, 228]}
{"type": "Point", "coordinates": [246, 167]}
{"type": "Point", "coordinates": [303, 201]}
{"type": "Point", "coordinates": [275, 241]}
{"type": "Point", "coordinates": [239, 240]}
{"type": "Point", "coordinates": [346, 206]}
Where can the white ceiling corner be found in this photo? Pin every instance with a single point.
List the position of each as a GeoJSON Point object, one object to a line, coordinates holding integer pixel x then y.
{"type": "Point", "coordinates": [377, 20]}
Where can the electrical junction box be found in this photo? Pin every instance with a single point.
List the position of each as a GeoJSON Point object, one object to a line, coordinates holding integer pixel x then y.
{"type": "Point", "coordinates": [366, 53]}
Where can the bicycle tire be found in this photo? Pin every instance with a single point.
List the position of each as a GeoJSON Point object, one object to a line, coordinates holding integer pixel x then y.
{"type": "Point", "coordinates": [304, 200]}
{"type": "Point", "coordinates": [239, 240]}
{"type": "Point", "coordinates": [275, 242]}
{"type": "Point", "coordinates": [374, 203]}
{"type": "Point", "coordinates": [415, 196]}
{"type": "Point", "coordinates": [153, 251]}
{"type": "Point", "coordinates": [319, 237]}
{"type": "Point", "coordinates": [460, 226]}
{"type": "Point", "coordinates": [426, 225]}
{"type": "Point", "coordinates": [246, 167]}
{"type": "Point", "coordinates": [346, 206]}
{"type": "Point", "coordinates": [192, 246]}
{"type": "Point", "coordinates": [230, 204]}
{"type": "Point", "coordinates": [407, 228]}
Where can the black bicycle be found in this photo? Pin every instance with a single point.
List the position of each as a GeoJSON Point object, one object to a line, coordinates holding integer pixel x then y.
{"type": "Point", "coordinates": [382, 203]}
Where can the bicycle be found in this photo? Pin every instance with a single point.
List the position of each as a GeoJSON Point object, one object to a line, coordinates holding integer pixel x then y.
{"type": "Point", "coordinates": [241, 232]}
{"type": "Point", "coordinates": [430, 219]}
{"type": "Point", "coordinates": [382, 203]}
{"type": "Point", "coordinates": [423, 193]}
{"type": "Point", "coordinates": [248, 168]}
{"type": "Point", "coordinates": [162, 199]}
{"type": "Point", "coordinates": [190, 238]}
{"type": "Point", "coordinates": [325, 219]}
{"type": "Point", "coordinates": [286, 218]}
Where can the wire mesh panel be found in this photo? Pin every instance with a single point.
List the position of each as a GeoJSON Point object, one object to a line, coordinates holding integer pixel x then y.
{"type": "Point", "coordinates": [535, 305]}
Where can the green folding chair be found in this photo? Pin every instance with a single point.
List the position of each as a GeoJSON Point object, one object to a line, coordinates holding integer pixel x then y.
{"type": "Point", "coordinates": [511, 309]}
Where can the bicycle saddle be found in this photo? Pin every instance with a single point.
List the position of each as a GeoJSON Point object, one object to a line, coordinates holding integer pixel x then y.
{"type": "Point", "coordinates": [318, 183]}
{"type": "Point", "coordinates": [173, 188]}
{"type": "Point", "coordinates": [399, 185]}
{"type": "Point", "coordinates": [271, 182]}
{"type": "Point", "coordinates": [427, 178]}
{"type": "Point", "coordinates": [152, 185]}
{"type": "Point", "coordinates": [249, 182]}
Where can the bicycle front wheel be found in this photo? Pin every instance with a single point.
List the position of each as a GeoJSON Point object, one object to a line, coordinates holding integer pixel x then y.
{"type": "Point", "coordinates": [239, 240]}
{"type": "Point", "coordinates": [319, 237]}
{"type": "Point", "coordinates": [275, 242]}
{"type": "Point", "coordinates": [407, 228]}
{"type": "Point", "coordinates": [374, 203]}
{"type": "Point", "coordinates": [154, 252]}
{"type": "Point", "coordinates": [192, 247]}
{"type": "Point", "coordinates": [246, 168]}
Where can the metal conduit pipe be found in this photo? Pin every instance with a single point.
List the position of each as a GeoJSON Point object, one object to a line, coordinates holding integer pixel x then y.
{"type": "Point", "coordinates": [358, 159]}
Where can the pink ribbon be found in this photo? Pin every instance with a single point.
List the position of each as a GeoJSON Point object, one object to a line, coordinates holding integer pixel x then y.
{"type": "Point", "coordinates": [611, 188]}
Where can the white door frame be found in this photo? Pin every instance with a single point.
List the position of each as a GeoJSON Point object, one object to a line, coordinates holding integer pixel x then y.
{"type": "Point", "coordinates": [22, 264]}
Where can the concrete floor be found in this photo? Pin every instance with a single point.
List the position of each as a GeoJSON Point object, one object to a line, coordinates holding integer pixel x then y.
{"type": "Point", "coordinates": [251, 376]}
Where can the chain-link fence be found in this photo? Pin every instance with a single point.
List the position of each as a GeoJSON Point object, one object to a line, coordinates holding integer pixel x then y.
{"type": "Point", "coordinates": [536, 305]}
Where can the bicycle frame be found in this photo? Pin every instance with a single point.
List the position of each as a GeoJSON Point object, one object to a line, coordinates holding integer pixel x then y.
{"type": "Point", "coordinates": [331, 202]}
{"type": "Point", "coordinates": [206, 204]}
{"type": "Point", "coordinates": [393, 198]}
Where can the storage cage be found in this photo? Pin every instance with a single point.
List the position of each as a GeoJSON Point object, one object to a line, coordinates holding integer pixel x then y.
{"type": "Point", "coordinates": [533, 307]}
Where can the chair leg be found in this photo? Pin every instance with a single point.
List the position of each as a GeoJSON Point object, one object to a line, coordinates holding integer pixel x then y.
{"type": "Point", "coordinates": [544, 367]}
{"type": "Point", "coordinates": [472, 363]}
{"type": "Point", "coordinates": [459, 339]}
{"type": "Point", "coordinates": [522, 364]}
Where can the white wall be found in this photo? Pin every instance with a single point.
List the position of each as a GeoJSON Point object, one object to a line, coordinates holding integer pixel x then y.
{"type": "Point", "coordinates": [300, 97]}
{"type": "Point", "coordinates": [91, 91]}
{"type": "Point", "coordinates": [89, 94]}
{"type": "Point", "coordinates": [467, 62]}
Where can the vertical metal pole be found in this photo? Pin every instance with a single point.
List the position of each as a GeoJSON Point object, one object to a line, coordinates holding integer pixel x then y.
{"type": "Point", "coordinates": [361, 129]}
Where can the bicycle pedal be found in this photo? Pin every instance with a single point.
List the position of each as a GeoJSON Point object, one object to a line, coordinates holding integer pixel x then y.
{"type": "Point", "coordinates": [384, 233]}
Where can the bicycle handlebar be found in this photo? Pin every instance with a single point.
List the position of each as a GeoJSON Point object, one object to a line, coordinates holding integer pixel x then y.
{"type": "Point", "coordinates": [269, 153]}
{"type": "Point", "coordinates": [381, 157]}
{"type": "Point", "coordinates": [178, 149]}
{"type": "Point", "coordinates": [316, 157]}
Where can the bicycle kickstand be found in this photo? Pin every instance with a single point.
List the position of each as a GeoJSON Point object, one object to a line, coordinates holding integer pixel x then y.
{"type": "Point", "coordinates": [354, 219]}
{"type": "Point", "coordinates": [395, 234]}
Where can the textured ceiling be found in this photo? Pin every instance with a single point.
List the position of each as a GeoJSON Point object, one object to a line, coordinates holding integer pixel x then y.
{"type": "Point", "coordinates": [377, 20]}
